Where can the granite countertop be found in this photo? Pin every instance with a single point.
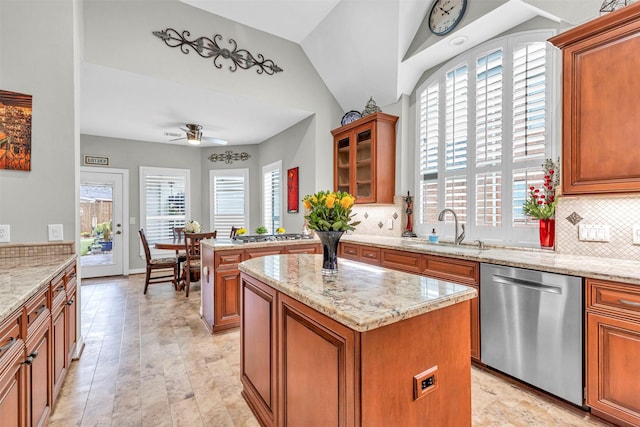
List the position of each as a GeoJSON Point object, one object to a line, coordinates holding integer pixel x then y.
{"type": "Point", "coordinates": [230, 244]}
{"type": "Point", "coordinates": [619, 270]}
{"type": "Point", "coordinates": [360, 296]}
{"type": "Point", "coordinates": [23, 277]}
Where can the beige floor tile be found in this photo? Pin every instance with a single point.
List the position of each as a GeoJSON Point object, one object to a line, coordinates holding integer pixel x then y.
{"type": "Point", "coordinates": [150, 361]}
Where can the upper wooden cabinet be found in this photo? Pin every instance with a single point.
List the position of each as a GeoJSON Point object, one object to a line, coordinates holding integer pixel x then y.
{"type": "Point", "coordinates": [600, 104]}
{"type": "Point", "coordinates": [364, 158]}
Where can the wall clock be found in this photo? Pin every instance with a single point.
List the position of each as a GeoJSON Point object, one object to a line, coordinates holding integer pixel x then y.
{"type": "Point", "coordinates": [445, 15]}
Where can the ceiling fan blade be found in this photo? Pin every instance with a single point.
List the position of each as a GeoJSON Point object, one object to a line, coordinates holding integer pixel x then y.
{"type": "Point", "coordinates": [178, 139]}
{"type": "Point", "coordinates": [214, 140]}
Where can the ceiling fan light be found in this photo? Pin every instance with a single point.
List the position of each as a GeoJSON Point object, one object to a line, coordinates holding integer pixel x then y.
{"type": "Point", "coordinates": [194, 137]}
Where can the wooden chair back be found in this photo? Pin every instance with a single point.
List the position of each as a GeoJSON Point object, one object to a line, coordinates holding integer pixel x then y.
{"type": "Point", "coordinates": [145, 245]}
{"type": "Point", "coordinates": [192, 247]}
{"type": "Point", "coordinates": [178, 233]}
{"type": "Point", "coordinates": [165, 269]}
{"type": "Point", "coordinates": [234, 231]}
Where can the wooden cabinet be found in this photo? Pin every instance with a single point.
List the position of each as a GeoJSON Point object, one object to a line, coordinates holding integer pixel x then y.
{"type": "Point", "coordinates": [12, 384]}
{"type": "Point", "coordinates": [453, 270]}
{"type": "Point", "coordinates": [613, 351]}
{"type": "Point", "coordinates": [39, 361]}
{"type": "Point", "coordinates": [600, 104]}
{"type": "Point", "coordinates": [37, 343]}
{"type": "Point", "coordinates": [259, 357]}
{"type": "Point", "coordinates": [364, 158]}
{"type": "Point", "coordinates": [221, 287]}
{"type": "Point", "coordinates": [299, 366]}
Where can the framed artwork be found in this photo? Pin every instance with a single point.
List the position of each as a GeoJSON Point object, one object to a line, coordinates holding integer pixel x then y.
{"type": "Point", "coordinates": [292, 190]}
{"type": "Point", "coordinates": [15, 131]}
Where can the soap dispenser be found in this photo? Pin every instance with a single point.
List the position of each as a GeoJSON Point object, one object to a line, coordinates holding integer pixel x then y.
{"type": "Point", "coordinates": [433, 237]}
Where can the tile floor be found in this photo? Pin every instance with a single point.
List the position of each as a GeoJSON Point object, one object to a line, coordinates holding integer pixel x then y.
{"type": "Point", "coordinates": [149, 361]}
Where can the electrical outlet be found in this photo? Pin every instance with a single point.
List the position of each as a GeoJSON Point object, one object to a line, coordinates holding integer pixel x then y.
{"type": "Point", "coordinates": [390, 224]}
{"type": "Point", "coordinates": [55, 232]}
{"type": "Point", "coordinates": [5, 235]}
{"type": "Point", "coordinates": [425, 382]}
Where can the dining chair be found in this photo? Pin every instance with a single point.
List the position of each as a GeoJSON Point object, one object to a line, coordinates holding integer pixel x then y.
{"type": "Point", "coordinates": [181, 256]}
{"type": "Point", "coordinates": [234, 231]}
{"type": "Point", "coordinates": [192, 264]}
{"type": "Point", "coordinates": [158, 264]}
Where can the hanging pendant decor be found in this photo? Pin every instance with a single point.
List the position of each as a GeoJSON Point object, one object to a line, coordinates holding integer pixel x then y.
{"type": "Point", "coordinates": [209, 48]}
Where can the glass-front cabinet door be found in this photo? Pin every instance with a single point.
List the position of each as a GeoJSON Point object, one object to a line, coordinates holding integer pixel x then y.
{"type": "Point", "coordinates": [363, 165]}
{"type": "Point", "coordinates": [343, 161]}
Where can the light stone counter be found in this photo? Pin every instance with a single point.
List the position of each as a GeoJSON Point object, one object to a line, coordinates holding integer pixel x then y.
{"type": "Point", "coordinates": [221, 244]}
{"type": "Point", "coordinates": [536, 259]}
{"type": "Point", "coordinates": [360, 296]}
{"type": "Point", "coordinates": [23, 277]}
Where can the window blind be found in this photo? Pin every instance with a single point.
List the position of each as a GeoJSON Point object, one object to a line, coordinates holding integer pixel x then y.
{"type": "Point", "coordinates": [164, 193]}
{"type": "Point", "coordinates": [228, 199]}
{"type": "Point", "coordinates": [271, 200]}
{"type": "Point", "coordinates": [456, 118]}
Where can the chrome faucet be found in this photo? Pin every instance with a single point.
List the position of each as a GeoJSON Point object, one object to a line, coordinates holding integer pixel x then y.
{"type": "Point", "coordinates": [458, 238]}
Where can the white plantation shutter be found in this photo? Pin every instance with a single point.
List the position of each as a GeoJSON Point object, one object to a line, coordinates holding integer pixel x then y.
{"type": "Point", "coordinates": [529, 101]}
{"type": "Point", "coordinates": [229, 199]}
{"type": "Point", "coordinates": [164, 201]}
{"type": "Point", "coordinates": [456, 118]}
{"type": "Point", "coordinates": [483, 137]}
{"type": "Point", "coordinates": [489, 73]}
{"type": "Point", "coordinates": [272, 200]}
{"type": "Point", "coordinates": [429, 135]}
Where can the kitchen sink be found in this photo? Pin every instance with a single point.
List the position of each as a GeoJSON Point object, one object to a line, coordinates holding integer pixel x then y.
{"type": "Point", "coordinates": [446, 246]}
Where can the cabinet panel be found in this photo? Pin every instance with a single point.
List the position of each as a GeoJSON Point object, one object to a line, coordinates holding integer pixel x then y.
{"type": "Point", "coordinates": [59, 349]}
{"type": "Point", "coordinates": [475, 326]}
{"type": "Point", "coordinates": [455, 270]}
{"type": "Point", "coordinates": [71, 321]}
{"type": "Point", "coordinates": [405, 261]}
{"type": "Point", "coordinates": [600, 104]}
{"type": "Point", "coordinates": [12, 390]}
{"type": "Point", "coordinates": [350, 251]}
{"type": "Point", "coordinates": [39, 376]}
{"type": "Point", "coordinates": [304, 249]}
{"type": "Point", "coordinates": [308, 338]}
{"type": "Point", "coordinates": [206, 284]}
{"type": "Point", "coordinates": [370, 255]}
{"type": "Point", "coordinates": [613, 356]}
{"type": "Point", "coordinates": [227, 300]}
{"type": "Point", "coordinates": [259, 357]}
{"type": "Point", "coordinates": [258, 252]}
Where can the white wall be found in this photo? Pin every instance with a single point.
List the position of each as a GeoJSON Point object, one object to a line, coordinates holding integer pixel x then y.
{"type": "Point", "coordinates": [37, 57]}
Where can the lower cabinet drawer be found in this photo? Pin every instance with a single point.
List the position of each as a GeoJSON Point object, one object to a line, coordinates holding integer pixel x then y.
{"type": "Point", "coordinates": [614, 298]}
{"type": "Point", "coordinates": [37, 308]}
{"type": "Point", "coordinates": [370, 255]}
{"type": "Point", "coordinates": [455, 270]}
{"type": "Point", "coordinates": [9, 333]}
{"type": "Point", "coordinates": [405, 261]}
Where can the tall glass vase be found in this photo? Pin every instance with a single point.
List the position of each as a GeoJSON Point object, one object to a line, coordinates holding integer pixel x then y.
{"type": "Point", "coordinates": [329, 240]}
{"type": "Point", "coordinates": [547, 232]}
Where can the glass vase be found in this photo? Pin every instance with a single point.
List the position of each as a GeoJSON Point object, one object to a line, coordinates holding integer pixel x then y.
{"type": "Point", "coordinates": [547, 232]}
{"type": "Point", "coordinates": [329, 240]}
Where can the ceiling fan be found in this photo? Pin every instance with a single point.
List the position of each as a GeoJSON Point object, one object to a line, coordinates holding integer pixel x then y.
{"type": "Point", "coordinates": [194, 135]}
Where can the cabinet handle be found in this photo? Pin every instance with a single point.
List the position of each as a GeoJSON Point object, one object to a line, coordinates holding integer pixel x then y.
{"type": "Point", "coordinates": [8, 345]}
{"type": "Point", "coordinates": [70, 302]}
{"type": "Point", "coordinates": [72, 275]}
{"type": "Point", "coordinates": [41, 310]}
{"type": "Point", "coordinates": [30, 357]}
{"type": "Point", "coordinates": [60, 288]}
{"type": "Point", "coordinates": [205, 271]}
{"type": "Point", "coordinates": [631, 303]}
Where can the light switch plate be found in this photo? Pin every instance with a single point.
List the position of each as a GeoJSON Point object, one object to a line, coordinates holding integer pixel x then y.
{"type": "Point", "coordinates": [594, 233]}
{"type": "Point", "coordinates": [55, 232]}
{"type": "Point", "coordinates": [5, 236]}
{"type": "Point", "coordinates": [636, 234]}
{"type": "Point", "coordinates": [390, 224]}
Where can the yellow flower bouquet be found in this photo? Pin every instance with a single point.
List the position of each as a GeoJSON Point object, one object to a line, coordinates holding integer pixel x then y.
{"type": "Point", "coordinates": [330, 211]}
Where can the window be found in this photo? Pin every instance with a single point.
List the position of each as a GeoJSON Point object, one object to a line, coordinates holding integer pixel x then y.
{"type": "Point", "coordinates": [229, 199]}
{"type": "Point", "coordinates": [483, 133]}
{"type": "Point", "coordinates": [272, 200]}
{"type": "Point", "coordinates": [164, 202]}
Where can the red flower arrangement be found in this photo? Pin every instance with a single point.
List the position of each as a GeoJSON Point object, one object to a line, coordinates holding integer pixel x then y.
{"type": "Point", "coordinates": [542, 202]}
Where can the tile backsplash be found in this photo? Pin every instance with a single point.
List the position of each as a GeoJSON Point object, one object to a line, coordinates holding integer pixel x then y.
{"type": "Point", "coordinates": [15, 250]}
{"type": "Point", "coordinates": [373, 216]}
{"type": "Point", "coordinates": [621, 213]}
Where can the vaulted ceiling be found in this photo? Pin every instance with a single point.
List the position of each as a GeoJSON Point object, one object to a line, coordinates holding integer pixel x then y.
{"type": "Point", "coordinates": [360, 49]}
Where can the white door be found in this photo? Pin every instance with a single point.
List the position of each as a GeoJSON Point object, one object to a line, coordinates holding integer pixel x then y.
{"type": "Point", "coordinates": [102, 231]}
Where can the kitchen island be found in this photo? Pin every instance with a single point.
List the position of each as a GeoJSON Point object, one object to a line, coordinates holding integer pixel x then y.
{"type": "Point", "coordinates": [368, 346]}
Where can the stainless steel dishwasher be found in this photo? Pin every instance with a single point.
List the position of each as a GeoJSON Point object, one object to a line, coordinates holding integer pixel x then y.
{"type": "Point", "coordinates": [531, 328]}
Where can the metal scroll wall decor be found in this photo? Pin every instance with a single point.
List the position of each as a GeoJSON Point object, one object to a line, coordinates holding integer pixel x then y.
{"type": "Point", "coordinates": [229, 156]}
{"type": "Point", "coordinates": [209, 48]}
{"type": "Point", "coordinates": [611, 5]}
